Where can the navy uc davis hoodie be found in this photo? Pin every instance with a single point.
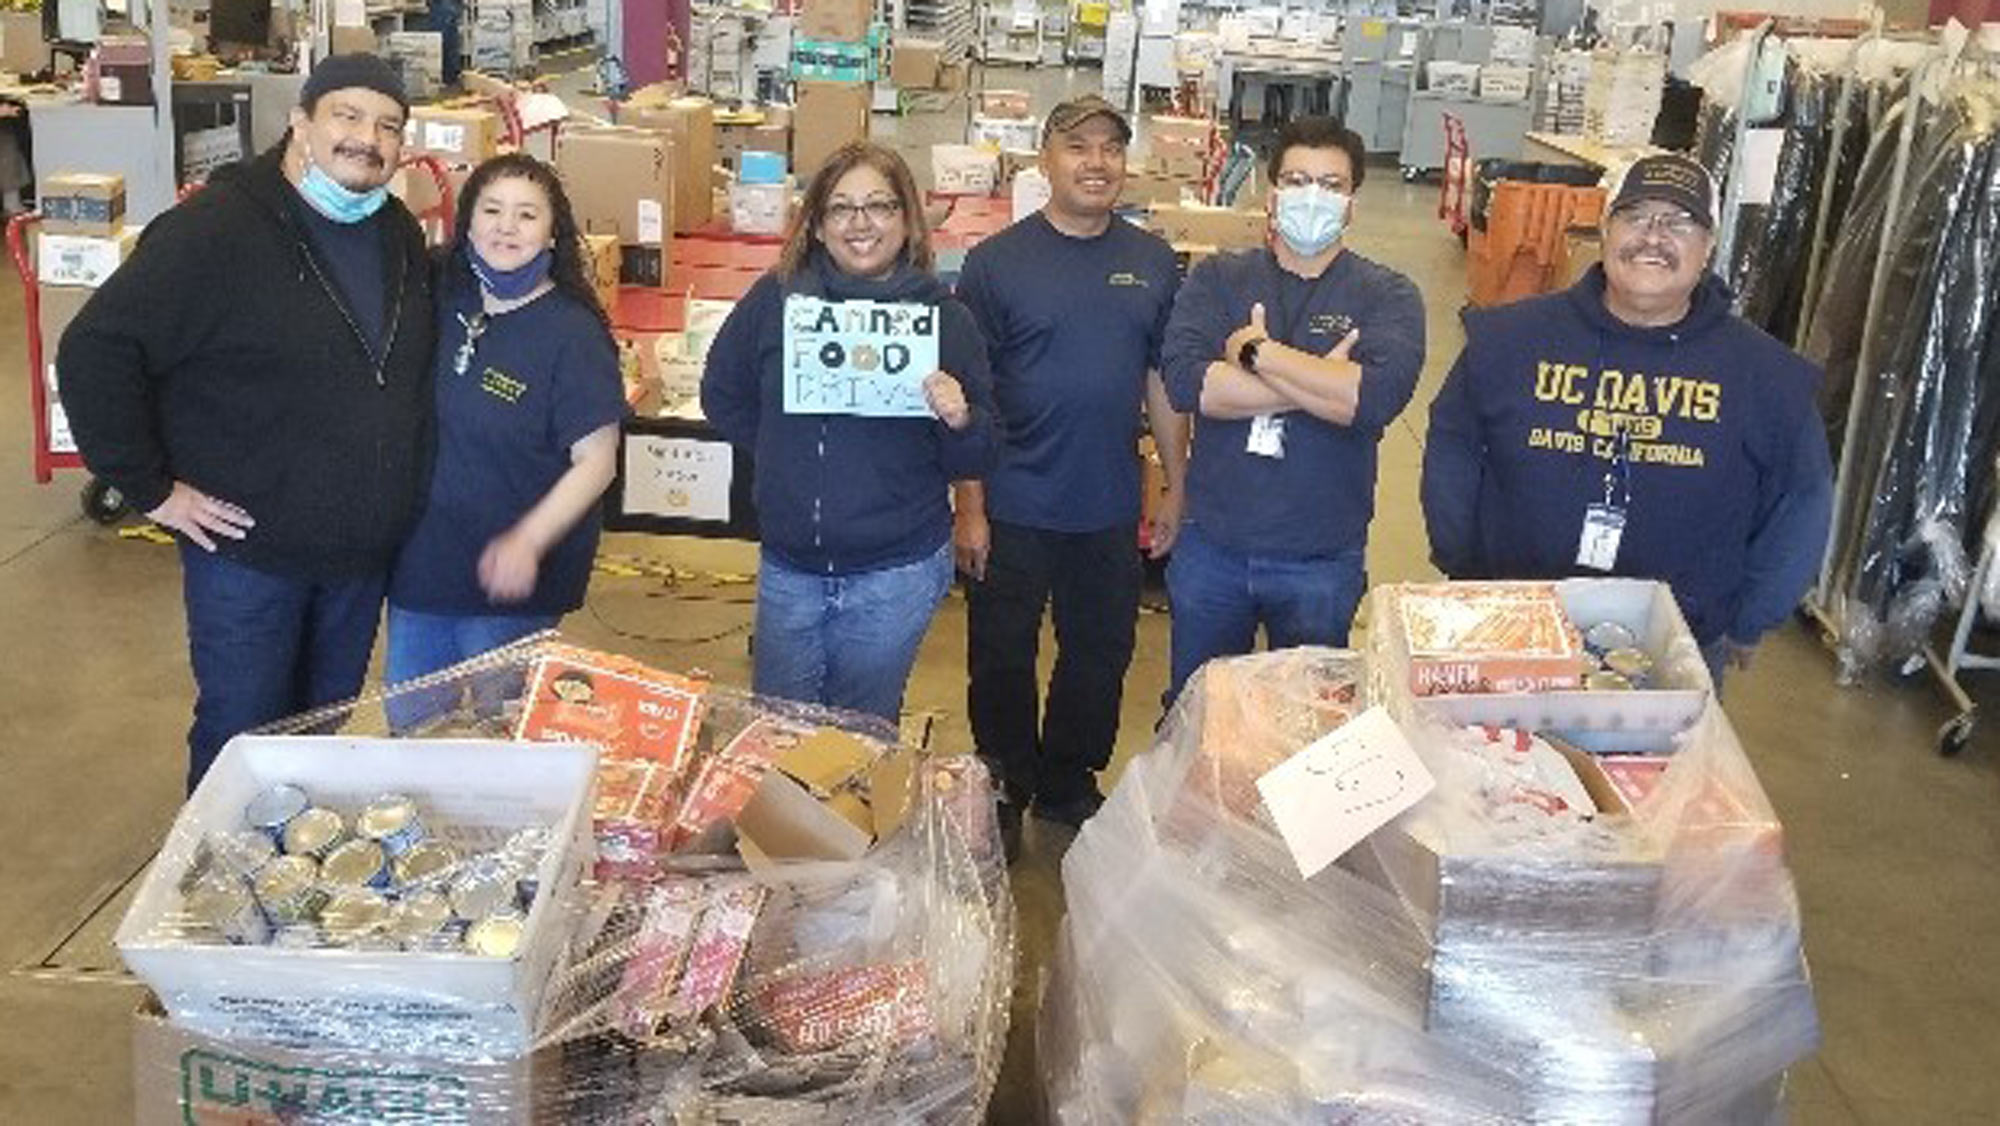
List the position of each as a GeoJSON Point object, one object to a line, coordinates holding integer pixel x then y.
{"type": "Point", "coordinates": [1729, 479]}
{"type": "Point", "coordinates": [837, 494]}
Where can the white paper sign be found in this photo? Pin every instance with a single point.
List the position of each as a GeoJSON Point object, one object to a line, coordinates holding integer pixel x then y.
{"type": "Point", "coordinates": [1761, 149]}
{"type": "Point", "coordinates": [1330, 796]}
{"type": "Point", "coordinates": [440, 136]}
{"type": "Point", "coordinates": [61, 441]}
{"type": "Point", "coordinates": [866, 358]}
{"type": "Point", "coordinates": [652, 223]}
{"type": "Point", "coordinates": [682, 478]}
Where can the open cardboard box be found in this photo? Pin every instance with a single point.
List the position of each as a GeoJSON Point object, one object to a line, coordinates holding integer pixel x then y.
{"type": "Point", "coordinates": [472, 792]}
{"type": "Point", "coordinates": [831, 797]}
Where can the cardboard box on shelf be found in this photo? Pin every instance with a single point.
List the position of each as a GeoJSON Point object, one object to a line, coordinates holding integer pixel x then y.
{"type": "Point", "coordinates": [1446, 77]}
{"type": "Point", "coordinates": [964, 169]}
{"type": "Point", "coordinates": [1505, 83]}
{"type": "Point", "coordinates": [733, 139]}
{"type": "Point", "coordinates": [620, 181]}
{"type": "Point", "coordinates": [82, 203]}
{"type": "Point", "coordinates": [1005, 103]}
{"type": "Point", "coordinates": [841, 20]}
{"type": "Point", "coordinates": [82, 260]}
{"type": "Point", "coordinates": [1143, 188]}
{"type": "Point", "coordinates": [23, 50]}
{"type": "Point", "coordinates": [455, 136]}
{"type": "Point", "coordinates": [691, 124]}
{"type": "Point", "coordinates": [1003, 133]}
{"type": "Point", "coordinates": [354, 40]}
{"type": "Point", "coordinates": [1198, 224]}
{"type": "Point", "coordinates": [181, 1076]}
{"type": "Point", "coordinates": [58, 307]}
{"type": "Point", "coordinates": [955, 76]}
{"type": "Point", "coordinates": [916, 64]}
{"type": "Point", "coordinates": [829, 115]}
{"type": "Point", "coordinates": [600, 256]}
{"type": "Point", "coordinates": [760, 167]}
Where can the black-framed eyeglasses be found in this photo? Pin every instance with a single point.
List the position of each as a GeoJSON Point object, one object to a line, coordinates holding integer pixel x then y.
{"type": "Point", "coordinates": [475, 327]}
{"type": "Point", "coordinates": [879, 211]}
{"type": "Point", "coordinates": [1302, 180]}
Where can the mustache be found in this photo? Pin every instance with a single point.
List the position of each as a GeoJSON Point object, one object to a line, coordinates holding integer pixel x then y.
{"type": "Point", "coordinates": [369, 153]}
{"type": "Point", "coordinates": [1664, 250]}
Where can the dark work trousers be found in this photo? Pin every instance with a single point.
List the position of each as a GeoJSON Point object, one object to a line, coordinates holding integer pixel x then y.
{"type": "Point", "coordinates": [1091, 579]}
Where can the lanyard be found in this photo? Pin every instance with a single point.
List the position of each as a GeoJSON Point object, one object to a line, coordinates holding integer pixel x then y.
{"type": "Point", "coordinates": [1618, 475]}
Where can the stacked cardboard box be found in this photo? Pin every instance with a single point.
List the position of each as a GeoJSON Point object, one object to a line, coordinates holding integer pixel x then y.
{"type": "Point", "coordinates": [419, 57]}
{"type": "Point", "coordinates": [829, 115]}
{"type": "Point", "coordinates": [690, 122]}
{"type": "Point", "coordinates": [81, 240]}
{"type": "Point", "coordinates": [1623, 96]}
{"type": "Point", "coordinates": [621, 182]}
{"type": "Point", "coordinates": [455, 136]}
{"type": "Point", "coordinates": [503, 35]}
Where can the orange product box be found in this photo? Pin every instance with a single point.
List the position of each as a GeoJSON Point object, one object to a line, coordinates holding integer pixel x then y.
{"type": "Point", "coordinates": [1489, 637]}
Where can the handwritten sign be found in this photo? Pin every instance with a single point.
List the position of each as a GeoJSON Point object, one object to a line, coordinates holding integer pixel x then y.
{"type": "Point", "coordinates": [865, 358]}
{"type": "Point", "coordinates": [681, 478]}
{"type": "Point", "coordinates": [1353, 781]}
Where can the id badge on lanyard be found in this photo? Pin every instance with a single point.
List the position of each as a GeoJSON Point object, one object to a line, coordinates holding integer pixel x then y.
{"type": "Point", "coordinates": [1604, 524]}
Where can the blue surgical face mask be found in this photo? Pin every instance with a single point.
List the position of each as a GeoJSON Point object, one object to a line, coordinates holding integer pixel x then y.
{"type": "Point", "coordinates": [336, 202]}
{"type": "Point", "coordinates": [1311, 218]}
{"type": "Point", "coordinates": [514, 284]}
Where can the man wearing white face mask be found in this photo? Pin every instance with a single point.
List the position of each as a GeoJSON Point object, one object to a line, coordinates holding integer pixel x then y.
{"type": "Point", "coordinates": [1295, 358]}
{"type": "Point", "coordinates": [257, 379]}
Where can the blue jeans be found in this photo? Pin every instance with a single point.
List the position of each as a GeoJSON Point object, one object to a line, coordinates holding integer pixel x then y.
{"type": "Point", "coordinates": [264, 646]}
{"type": "Point", "coordinates": [846, 641]}
{"type": "Point", "coordinates": [1221, 596]}
{"type": "Point", "coordinates": [421, 644]}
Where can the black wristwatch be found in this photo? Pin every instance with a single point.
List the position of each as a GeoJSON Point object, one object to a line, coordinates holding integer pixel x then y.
{"type": "Point", "coordinates": [1246, 356]}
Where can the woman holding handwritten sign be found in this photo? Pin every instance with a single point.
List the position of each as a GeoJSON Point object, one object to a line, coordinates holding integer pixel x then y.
{"type": "Point", "coordinates": [860, 387]}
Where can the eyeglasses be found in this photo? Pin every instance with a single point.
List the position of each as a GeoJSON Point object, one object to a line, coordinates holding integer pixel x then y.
{"type": "Point", "coordinates": [879, 211]}
{"type": "Point", "coordinates": [1301, 180]}
{"type": "Point", "coordinates": [1677, 223]}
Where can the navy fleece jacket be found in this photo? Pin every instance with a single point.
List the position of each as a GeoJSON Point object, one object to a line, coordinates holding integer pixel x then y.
{"type": "Point", "coordinates": [1317, 500]}
{"type": "Point", "coordinates": [838, 494]}
{"type": "Point", "coordinates": [1730, 482]}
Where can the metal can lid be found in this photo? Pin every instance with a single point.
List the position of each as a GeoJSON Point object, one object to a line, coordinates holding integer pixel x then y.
{"type": "Point", "coordinates": [424, 861]}
{"type": "Point", "coordinates": [476, 897]}
{"type": "Point", "coordinates": [297, 936]}
{"type": "Point", "coordinates": [496, 936]}
{"type": "Point", "coordinates": [421, 913]}
{"type": "Point", "coordinates": [386, 816]}
{"type": "Point", "coordinates": [1606, 636]}
{"type": "Point", "coordinates": [1607, 681]}
{"type": "Point", "coordinates": [286, 878]}
{"type": "Point", "coordinates": [271, 809]}
{"type": "Point", "coordinates": [1629, 662]}
{"type": "Point", "coordinates": [217, 901]}
{"type": "Point", "coordinates": [243, 850]}
{"type": "Point", "coordinates": [313, 832]}
{"type": "Point", "coordinates": [353, 864]}
{"type": "Point", "coordinates": [353, 911]}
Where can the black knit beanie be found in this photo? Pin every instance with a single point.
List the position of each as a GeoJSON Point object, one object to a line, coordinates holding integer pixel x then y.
{"type": "Point", "coordinates": [344, 72]}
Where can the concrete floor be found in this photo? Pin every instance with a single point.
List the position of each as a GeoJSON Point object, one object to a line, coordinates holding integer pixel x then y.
{"type": "Point", "coordinates": [1895, 849]}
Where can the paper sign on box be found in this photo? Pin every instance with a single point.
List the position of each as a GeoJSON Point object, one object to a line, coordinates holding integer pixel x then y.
{"type": "Point", "coordinates": [682, 478]}
{"type": "Point", "coordinates": [1327, 798]}
{"type": "Point", "coordinates": [866, 358]}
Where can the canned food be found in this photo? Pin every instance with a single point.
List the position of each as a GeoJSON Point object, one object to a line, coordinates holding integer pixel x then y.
{"type": "Point", "coordinates": [355, 864]}
{"type": "Point", "coordinates": [288, 887]}
{"type": "Point", "coordinates": [242, 852]}
{"type": "Point", "coordinates": [1606, 681]}
{"type": "Point", "coordinates": [226, 906]}
{"type": "Point", "coordinates": [392, 820]}
{"type": "Point", "coordinates": [431, 858]}
{"type": "Point", "coordinates": [314, 833]}
{"type": "Point", "coordinates": [1606, 636]}
{"type": "Point", "coordinates": [496, 936]}
{"type": "Point", "coordinates": [270, 811]}
{"type": "Point", "coordinates": [477, 896]}
{"type": "Point", "coordinates": [298, 936]}
{"type": "Point", "coordinates": [1635, 665]}
{"type": "Point", "coordinates": [422, 921]}
{"type": "Point", "coordinates": [352, 914]}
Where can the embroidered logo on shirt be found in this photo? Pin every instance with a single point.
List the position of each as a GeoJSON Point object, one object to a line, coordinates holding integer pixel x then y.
{"type": "Point", "coordinates": [1125, 279]}
{"type": "Point", "coordinates": [502, 386]}
{"type": "Point", "coordinates": [1638, 404]}
{"type": "Point", "coordinates": [1335, 325]}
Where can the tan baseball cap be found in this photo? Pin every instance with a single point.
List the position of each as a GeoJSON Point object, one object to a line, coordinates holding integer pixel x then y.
{"type": "Point", "coordinates": [1076, 111]}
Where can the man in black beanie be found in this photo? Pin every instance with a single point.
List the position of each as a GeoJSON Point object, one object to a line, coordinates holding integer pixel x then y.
{"type": "Point", "coordinates": [257, 379]}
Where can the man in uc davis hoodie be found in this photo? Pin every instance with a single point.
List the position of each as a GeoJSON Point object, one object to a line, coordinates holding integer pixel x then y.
{"type": "Point", "coordinates": [257, 378]}
{"type": "Point", "coordinates": [1632, 425]}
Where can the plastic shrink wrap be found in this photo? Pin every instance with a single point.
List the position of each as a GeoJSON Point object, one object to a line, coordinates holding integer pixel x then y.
{"type": "Point", "coordinates": [684, 904]}
{"type": "Point", "coordinates": [1507, 951]}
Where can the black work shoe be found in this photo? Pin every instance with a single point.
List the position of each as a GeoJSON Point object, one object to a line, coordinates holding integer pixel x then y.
{"type": "Point", "coordinates": [1010, 829]}
{"type": "Point", "coordinates": [1072, 812]}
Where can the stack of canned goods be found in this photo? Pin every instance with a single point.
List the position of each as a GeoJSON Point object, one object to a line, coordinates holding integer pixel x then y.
{"type": "Point", "coordinates": [1620, 663]}
{"type": "Point", "coordinates": [298, 874]}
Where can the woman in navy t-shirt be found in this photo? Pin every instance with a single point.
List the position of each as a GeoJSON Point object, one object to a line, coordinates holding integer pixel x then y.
{"type": "Point", "coordinates": [529, 399]}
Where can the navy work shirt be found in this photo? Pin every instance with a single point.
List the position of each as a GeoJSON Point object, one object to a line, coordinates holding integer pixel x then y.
{"type": "Point", "coordinates": [542, 377]}
{"type": "Point", "coordinates": [1073, 325]}
{"type": "Point", "coordinates": [350, 254]}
